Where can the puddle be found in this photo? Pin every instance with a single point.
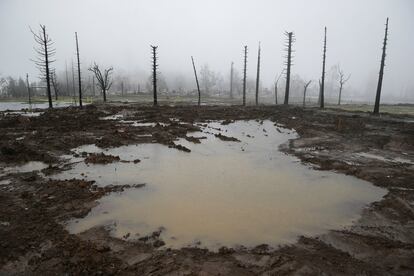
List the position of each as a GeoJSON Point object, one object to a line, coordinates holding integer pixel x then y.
{"type": "Point", "coordinates": [5, 182]}
{"type": "Point", "coordinates": [113, 117]}
{"type": "Point", "coordinates": [222, 193]}
{"type": "Point", "coordinates": [27, 167]}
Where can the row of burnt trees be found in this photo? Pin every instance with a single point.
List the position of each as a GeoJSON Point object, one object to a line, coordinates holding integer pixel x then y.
{"type": "Point", "coordinates": [45, 57]}
{"type": "Point", "coordinates": [46, 52]}
{"type": "Point", "coordinates": [342, 78]}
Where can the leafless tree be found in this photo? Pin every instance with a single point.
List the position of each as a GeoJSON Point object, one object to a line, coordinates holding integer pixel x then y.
{"type": "Point", "coordinates": [55, 84]}
{"type": "Point", "coordinates": [231, 80]}
{"type": "Point", "coordinates": [73, 84]}
{"type": "Point", "coordinates": [342, 80]}
{"type": "Point", "coordinates": [290, 38]}
{"type": "Point", "coordinates": [45, 53]}
{"type": "Point", "coordinates": [154, 72]}
{"type": "Point", "coordinates": [319, 91]}
{"type": "Point", "coordinates": [196, 78]}
{"type": "Point", "coordinates": [244, 75]}
{"type": "Point", "coordinates": [28, 90]}
{"type": "Point", "coordinates": [305, 87]}
{"type": "Point", "coordinates": [79, 71]}
{"type": "Point", "coordinates": [381, 72]}
{"type": "Point", "coordinates": [208, 79]}
{"type": "Point", "coordinates": [322, 90]}
{"type": "Point", "coordinates": [104, 79]}
{"type": "Point", "coordinates": [258, 75]}
{"type": "Point", "coordinates": [277, 83]}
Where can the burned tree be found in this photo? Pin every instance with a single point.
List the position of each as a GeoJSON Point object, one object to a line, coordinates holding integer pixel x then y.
{"type": "Point", "coordinates": [79, 71]}
{"type": "Point", "coordinates": [289, 40]}
{"type": "Point", "coordinates": [244, 75]}
{"type": "Point", "coordinates": [319, 91]}
{"type": "Point", "coordinates": [381, 72]}
{"type": "Point", "coordinates": [73, 84]}
{"type": "Point", "coordinates": [342, 81]}
{"type": "Point", "coordinates": [55, 84]}
{"type": "Point", "coordinates": [305, 87]}
{"type": "Point", "coordinates": [45, 53]}
{"type": "Point", "coordinates": [196, 78]}
{"type": "Point", "coordinates": [28, 90]}
{"type": "Point", "coordinates": [322, 90]}
{"type": "Point", "coordinates": [258, 76]}
{"type": "Point", "coordinates": [231, 80]}
{"type": "Point", "coordinates": [154, 73]}
{"type": "Point", "coordinates": [67, 78]}
{"type": "Point", "coordinates": [277, 83]}
{"type": "Point", "coordinates": [104, 79]}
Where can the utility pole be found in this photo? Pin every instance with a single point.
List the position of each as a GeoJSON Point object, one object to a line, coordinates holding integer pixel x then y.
{"type": "Point", "coordinates": [198, 86]}
{"type": "Point", "coordinates": [231, 80]}
{"type": "Point", "coordinates": [381, 72]}
{"type": "Point", "coordinates": [154, 73]}
{"type": "Point", "coordinates": [323, 73]}
{"type": "Point", "coordinates": [79, 71]}
{"type": "Point", "coordinates": [258, 76]}
{"type": "Point", "coordinates": [244, 75]}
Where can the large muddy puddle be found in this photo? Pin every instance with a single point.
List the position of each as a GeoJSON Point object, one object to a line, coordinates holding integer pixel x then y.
{"type": "Point", "coordinates": [222, 193]}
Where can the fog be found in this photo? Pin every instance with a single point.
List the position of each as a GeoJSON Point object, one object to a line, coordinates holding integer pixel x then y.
{"type": "Point", "coordinates": [119, 34]}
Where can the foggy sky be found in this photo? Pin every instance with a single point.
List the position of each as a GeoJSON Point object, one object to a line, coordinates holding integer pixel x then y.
{"type": "Point", "coordinates": [119, 33]}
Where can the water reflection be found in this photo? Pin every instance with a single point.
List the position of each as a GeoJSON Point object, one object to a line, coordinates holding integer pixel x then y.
{"type": "Point", "coordinates": [222, 193]}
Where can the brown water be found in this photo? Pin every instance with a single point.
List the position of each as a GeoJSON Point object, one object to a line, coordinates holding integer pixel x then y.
{"type": "Point", "coordinates": [222, 193]}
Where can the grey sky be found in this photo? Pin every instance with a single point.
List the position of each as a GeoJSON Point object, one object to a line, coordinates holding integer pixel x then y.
{"type": "Point", "coordinates": [119, 33]}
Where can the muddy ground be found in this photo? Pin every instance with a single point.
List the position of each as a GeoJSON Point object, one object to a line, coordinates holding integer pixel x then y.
{"type": "Point", "coordinates": [33, 208]}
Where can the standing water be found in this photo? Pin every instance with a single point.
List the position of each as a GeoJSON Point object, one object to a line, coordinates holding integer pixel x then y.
{"type": "Point", "coordinates": [222, 193]}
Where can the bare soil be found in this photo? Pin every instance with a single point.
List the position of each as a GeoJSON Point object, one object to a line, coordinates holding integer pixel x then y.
{"type": "Point", "coordinates": [33, 209]}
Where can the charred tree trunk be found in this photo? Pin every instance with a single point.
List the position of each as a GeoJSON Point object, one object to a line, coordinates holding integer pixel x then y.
{"type": "Point", "coordinates": [28, 90]}
{"type": "Point", "coordinates": [322, 96]}
{"type": "Point", "coordinates": [49, 92]}
{"type": "Point", "coordinates": [73, 84]}
{"type": "Point", "coordinates": [258, 76]}
{"type": "Point", "coordinates": [276, 93]}
{"type": "Point", "coordinates": [231, 80]}
{"type": "Point", "coordinates": [79, 71]}
{"type": "Point", "coordinates": [67, 79]}
{"type": "Point", "coordinates": [196, 78]}
{"type": "Point", "coordinates": [304, 91]}
{"type": "Point", "coordinates": [381, 72]}
{"type": "Point", "coordinates": [45, 52]}
{"type": "Point", "coordinates": [122, 89]}
{"type": "Point", "coordinates": [277, 83]}
{"type": "Point", "coordinates": [55, 84]}
{"type": "Point", "coordinates": [340, 93]}
{"type": "Point", "coordinates": [244, 75]}
{"type": "Point", "coordinates": [154, 73]}
{"type": "Point", "coordinates": [319, 95]}
{"type": "Point", "coordinates": [288, 64]}
{"type": "Point", "coordinates": [93, 86]}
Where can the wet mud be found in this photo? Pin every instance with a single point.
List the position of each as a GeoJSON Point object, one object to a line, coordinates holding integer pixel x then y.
{"type": "Point", "coordinates": [33, 209]}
